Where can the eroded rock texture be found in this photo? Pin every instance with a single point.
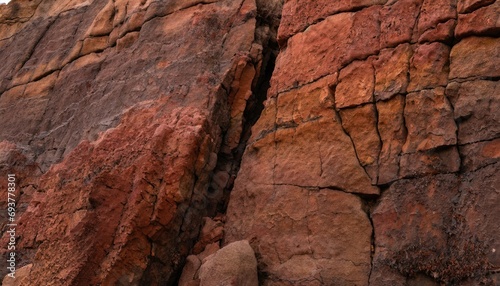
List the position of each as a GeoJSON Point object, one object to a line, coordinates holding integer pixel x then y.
{"type": "Point", "coordinates": [374, 160]}
{"type": "Point", "coordinates": [113, 114]}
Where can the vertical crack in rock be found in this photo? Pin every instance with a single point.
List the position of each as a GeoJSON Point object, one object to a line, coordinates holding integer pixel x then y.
{"type": "Point", "coordinates": [262, 60]}
{"type": "Point", "coordinates": [246, 95]}
{"type": "Point", "coordinates": [253, 109]}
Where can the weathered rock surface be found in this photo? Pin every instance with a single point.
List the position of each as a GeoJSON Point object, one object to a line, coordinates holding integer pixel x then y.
{"type": "Point", "coordinates": [374, 161]}
{"type": "Point", "coordinates": [234, 264]}
{"type": "Point", "coordinates": [113, 119]}
{"type": "Point", "coordinates": [411, 87]}
{"type": "Point", "coordinates": [20, 278]}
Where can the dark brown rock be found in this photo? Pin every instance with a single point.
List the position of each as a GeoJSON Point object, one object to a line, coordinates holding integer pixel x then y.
{"type": "Point", "coordinates": [471, 100]}
{"type": "Point", "coordinates": [479, 206]}
{"type": "Point", "coordinates": [411, 220]}
{"type": "Point", "coordinates": [479, 155]}
{"type": "Point", "coordinates": [430, 162]}
{"type": "Point", "coordinates": [212, 231]}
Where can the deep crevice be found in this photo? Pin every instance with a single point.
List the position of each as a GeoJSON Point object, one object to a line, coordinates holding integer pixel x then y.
{"type": "Point", "coordinates": [229, 156]}
{"type": "Point", "coordinates": [255, 103]}
{"type": "Point", "coordinates": [253, 110]}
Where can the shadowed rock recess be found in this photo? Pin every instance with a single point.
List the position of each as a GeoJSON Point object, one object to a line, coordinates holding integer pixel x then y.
{"type": "Point", "coordinates": [251, 142]}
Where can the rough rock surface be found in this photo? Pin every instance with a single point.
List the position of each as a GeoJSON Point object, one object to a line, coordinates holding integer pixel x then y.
{"type": "Point", "coordinates": [235, 264]}
{"type": "Point", "coordinates": [113, 117]}
{"type": "Point", "coordinates": [143, 155]}
{"type": "Point", "coordinates": [375, 160]}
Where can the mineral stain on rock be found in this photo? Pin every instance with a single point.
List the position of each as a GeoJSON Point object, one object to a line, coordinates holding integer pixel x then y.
{"type": "Point", "coordinates": [251, 142]}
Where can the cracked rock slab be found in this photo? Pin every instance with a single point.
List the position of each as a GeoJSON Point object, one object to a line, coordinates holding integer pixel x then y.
{"type": "Point", "coordinates": [287, 230]}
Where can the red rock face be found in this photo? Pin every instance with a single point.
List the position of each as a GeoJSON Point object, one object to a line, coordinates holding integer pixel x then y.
{"type": "Point", "coordinates": [123, 112]}
{"type": "Point", "coordinates": [387, 111]}
{"type": "Point", "coordinates": [374, 161]}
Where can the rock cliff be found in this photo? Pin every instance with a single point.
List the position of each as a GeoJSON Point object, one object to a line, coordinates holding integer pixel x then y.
{"type": "Point", "coordinates": [343, 142]}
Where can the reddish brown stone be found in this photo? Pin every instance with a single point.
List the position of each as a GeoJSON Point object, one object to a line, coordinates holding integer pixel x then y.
{"type": "Point", "coordinates": [429, 67]}
{"type": "Point", "coordinates": [126, 209]}
{"type": "Point", "coordinates": [443, 32]}
{"type": "Point", "coordinates": [212, 231]}
{"type": "Point", "coordinates": [478, 155]}
{"type": "Point", "coordinates": [92, 45]}
{"type": "Point", "coordinates": [434, 12]}
{"type": "Point", "coordinates": [391, 71]}
{"type": "Point", "coordinates": [313, 142]}
{"type": "Point", "coordinates": [15, 17]}
{"type": "Point", "coordinates": [397, 22]}
{"type": "Point", "coordinates": [135, 109]}
{"type": "Point", "coordinates": [267, 121]}
{"type": "Point", "coordinates": [305, 104]}
{"type": "Point", "coordinates": [312, 12]}
{"type": "Point", "coordinates": [302, 62]}
{"type": "Point", "coordinates": [361, 125]}
{"type": "Point", "coordinates": [467, 6]}
{"type": "Point", "coordinates": [430, 162]}
{"type": "Point", "coordinates": [103, 22]}
{"type": "Point", "coordinates": [316, 161]}
{"type": "Point", "coordinates": [393, 135]}
{"type": "Point", "coordinates": [241, 90]}
{"type": "Point", "coordinates": [471, 102]}
{"type": "Point", "coordinates": [429, 120]}
{"type": "Point", "coordinates": [467, 58]}
{"type": "Point", "coordinates": [127, 40]}
{"type": "Point", "coordinates": [484, 21]}
{"type": "Point", "coordinates": [356, 84]}
{"type": "Point", "coordinates": [364, 39]}
{"type": "Point", "coordinates": [287, 227]}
